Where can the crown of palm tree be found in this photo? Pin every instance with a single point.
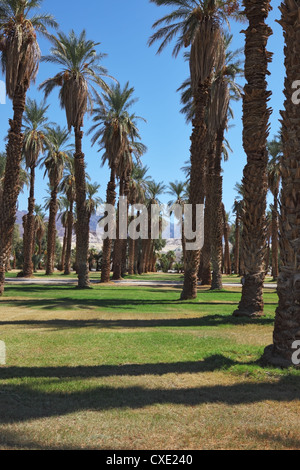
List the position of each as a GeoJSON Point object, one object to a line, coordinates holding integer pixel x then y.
{"type": "Point", "coordinates": [195, 23]}
{"type": "Point", "coordinates": [115, 129]}
{"type": "Point", "coordinates": [20, 52]}
{"type": "Point", "coordinates": [59, 152]}
{"type": "Point", "coordinates": [93, 201]}
{"type": "Point", "coordinates": [177, 189]}
{"type": "Point", "coordinates": [68, 184]}
{"type": "Point", "coordinates": [154, 190]}
{"type": "Point", "coordinates": [80, 71]}
{"type": "Point", "coordinates": [35, 129]}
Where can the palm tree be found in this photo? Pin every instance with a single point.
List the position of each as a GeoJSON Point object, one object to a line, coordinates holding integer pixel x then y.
{"type": "Point", "coordinates": [93, 201]}
{"type": "Point", "coordinates": [20, 56]}
{"type": "Point", "coordinates": [137, 195]}
{"type": "Point", "coordinates": [34, 143]}
{"type": "Point", "coordinates": [154, 190]}
{"type": "Point", "coordinates": [63, 216]}
{"type": "Point", "coordinates": [58, 153]}
{"type": "Point", "coordinates": [40, 228]}
{"type": "Point", "coordinates": [274, 178]}
{"type": "Point", "coordinates": [196, 24]}
{"type": "Point", "coordinates": [224, 89]}
{"type": "Point", "coordinates": [177, 189]}
{"type": "Point", "coordinates": [68, 187]}
{"type": "Point", "coordinates": [256, 127]}
{"type": "Point", "coordinates": [81, 69]}
{"type": "Point", "coordinates": [287, 319]}
{"type": "Point", "coordinates": [237, 210]}
{"type": "Point", "coordinates": [115, 131]}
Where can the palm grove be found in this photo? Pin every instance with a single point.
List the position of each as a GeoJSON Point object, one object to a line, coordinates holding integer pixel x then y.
{"type": "Point", "coordinates": [200, 31]}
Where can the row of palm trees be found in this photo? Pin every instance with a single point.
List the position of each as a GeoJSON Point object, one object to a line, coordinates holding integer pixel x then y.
{"type": "Point", "coordinates": [199, 26]}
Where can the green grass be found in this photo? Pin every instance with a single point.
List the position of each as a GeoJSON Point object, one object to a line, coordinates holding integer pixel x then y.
{"type": "Point", "coordinates": [120, 367]}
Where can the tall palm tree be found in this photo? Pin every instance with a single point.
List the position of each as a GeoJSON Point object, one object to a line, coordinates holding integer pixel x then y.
{"type": "Point", "coordinates": [274, 178]}
{"type": "Point", "coordinates": [197, 24]}
{"type": "Point", "coordinates": [40, 228]}
{"type": "Point", "coordinates": [80, 72]}
{"type": "Point", "coordinates": [58, 153]}
{"type": "Point", "coordinates": [154, 190]}
{"type": "Point", "coordinates": [20, 57]}
{"type": "Point", "coordinates": [68, 187]}
{"type": "Point", "coordinates": [137, 195]}
{"type": "Point", "coordinates": [35, 120]}
{"type": "Point", "coordinates": [237, 210]}
{"type": "Point", "coordinates": [224, 89]}
{"type": "Point", "coordinates": [256, 127]}
{"type": "Point", "coordinates": [287, 319]}
{"type": "Point", "coordinates": [115, 131]}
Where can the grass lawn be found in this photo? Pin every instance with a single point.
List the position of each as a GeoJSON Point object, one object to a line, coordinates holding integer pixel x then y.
{"type": "Point", "coordinates": [120, 367]}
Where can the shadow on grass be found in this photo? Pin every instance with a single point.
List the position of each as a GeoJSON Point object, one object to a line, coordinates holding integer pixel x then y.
{"type": "Point", "coordinates": [205, 321]}
{"type": "Point", "coordinates": [19, 403]}
{"type": "Point", "coordinates": [209, 364]}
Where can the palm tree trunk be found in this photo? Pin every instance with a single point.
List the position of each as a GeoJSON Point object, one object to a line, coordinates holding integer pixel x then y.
{"type": "Point", "coordinates": [256, 129]}
{"type": "Point", "coordinates": [82, 226]}
{"type": "Point", "coordinates": [118, 247]}
{"type": "Point", "coordinates": [197, 184]}
{"type": "Point", "coordinates": [11, 184]}
{"type": "Point", "coordinates": [67, 265]}
{"type": "Point", "coordinates": [51, 241]}
{"type": "Point", "coordinates": [227, 261]}
{"type": "Point", "coordinates": [287, 320]}
{"type": "Point", "coordinates": [237, 246]}
{"type": "Point", "coordinates": [28, 248]}
{"type": "Point", "coordinates": [275, 230]}
{"type": "Point", "coordinates": [107, 243]}
{"type": "Point", "coordinates": [64, 249]}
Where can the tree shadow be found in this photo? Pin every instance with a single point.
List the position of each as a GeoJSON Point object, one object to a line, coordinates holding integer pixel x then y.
{"type": "Point", "coordinates": [205, 321]}
{"type": "Point", "coordinates": [19, 403]}
{"type": "Point", "coordinates": [209, 364]}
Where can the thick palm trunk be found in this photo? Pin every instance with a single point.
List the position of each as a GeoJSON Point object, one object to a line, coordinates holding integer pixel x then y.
{"type": "Point", "coordinates": [67, 266]}
{"type": "Point", "coordinates": [256, 130]}
{"type": "Point", "coordinates": [197, 185]}
{"type": "Point", "coordinates": [30, 229]}
{"type": "Point", "coordinates": [11, 184]}
{"type": "Point", "coordinates": [287, 320]}
{"type": "Point", "coordinates": [82, 225]}
{"type": "Point", "coordinates": [51, 240]}
{"type": "Point", "coordinates": [107, 243]}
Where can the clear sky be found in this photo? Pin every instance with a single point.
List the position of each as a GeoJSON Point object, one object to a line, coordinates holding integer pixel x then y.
{"type": "Point", "coordinates": [123, 28]}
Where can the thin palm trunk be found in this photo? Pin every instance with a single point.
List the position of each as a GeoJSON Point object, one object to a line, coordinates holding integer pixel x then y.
{"type": "Point", "coordinates": [256, 126]}
{"type": "Point", "coordinates": [30, 229]}
{"type": "Point", "coordinates": [275, 230]}
{"type": "Point", "coordinates": [237, 246]}
{"type": "Point", "coordinates": [107, 243]}
{"type": "Point", "coordinates": [82, 226]}
{"type": "Point", "coordinates": [227, 261]}
{"type": "Point", "coordinates": [67, 265]}
{"type": "Point", "coordinates": [64, 249]}
{"type": "Point", "coordinates": [11, 184]}
{"type": "Point", "coordinates": [51, 240]}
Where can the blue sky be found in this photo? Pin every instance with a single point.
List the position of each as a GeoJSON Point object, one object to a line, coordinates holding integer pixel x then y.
{"type": "Point", "coordinates": [123, 28]}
